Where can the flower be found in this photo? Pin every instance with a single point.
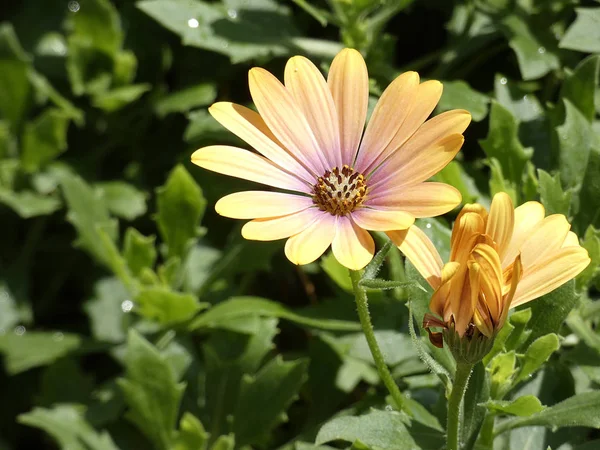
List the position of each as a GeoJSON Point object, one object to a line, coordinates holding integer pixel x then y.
{"type": "Point", "coordinates": [497, 261]}
{"type": "Point", "coordinates": [340, 183]}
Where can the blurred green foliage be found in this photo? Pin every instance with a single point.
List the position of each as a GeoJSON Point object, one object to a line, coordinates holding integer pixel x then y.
{"type": "Point", "coordinates": [133, 317]}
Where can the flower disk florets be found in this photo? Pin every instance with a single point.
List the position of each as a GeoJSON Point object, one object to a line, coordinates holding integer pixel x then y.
{"type": "Point", "coordinates": [340, 192]}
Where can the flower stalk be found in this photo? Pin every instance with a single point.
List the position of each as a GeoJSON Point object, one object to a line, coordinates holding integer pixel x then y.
{"type": "Point", "coordinates": [459, 387]}
{"type": "Point", "coordinates": [362, 306]}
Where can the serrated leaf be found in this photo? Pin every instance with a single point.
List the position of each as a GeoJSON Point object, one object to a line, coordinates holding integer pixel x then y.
{"type": "Point", "coordinates": [45, 92]}
{"type": "Point", "coordinates": [584, 34]}
{"type": "Point", "coordinates": [535, 60]}
{"type": "Point", "coordinates": [552, 196]}
{"type": "Point", "coordinates": [579, 87]}
{"type": "Point", "coordinates": [191, 435]}
{"type": "Point", "coordinates": [105, 311]}
{"type": "Point", "coordinates": [66, 424]}
{"type": "Point", "coordinates": [44, 139]}
{"type": "Point", "coordinates": [275, 386]}
{"type": "Point", "coordinates": [524, 105]}
{"type": "Point", "coordinates": [119, 97]}
{"type": "Point", "coordinates": [537, 354]}
{"type": "Point", "coordinates": [582, 410]}
{"type": "Point", "coordinates": [228, 357]}
{"type": "Point", "coordinates": [180, 207]}
{"type": "Point", "coordinates": [29, 204]}
{"type": "Point", "coordinates": [519, 333]}
{"type": "Point", "coordinates": [385, 430]}
{"type": "Point", "coordinates": [574, 138]}
{"type": "Point", "coordinates": [88, 213]}
{"type": "Point", "coordinates": [151, 392]}
{"type": "Point", "coordinates": [522, 406]}
{"type": "Point", "coordinates": [243, 306]}
{"type": "Point", "coordinates": [186, 99]}
{"type": "Point", "coordinates": [34, 349]}
{"type": "Point", "coordinates": [14, 86]}
{"type": "Point", "coordinates": [591, 242]}
{"type": "Point", "coordinates": [455, 175]}
{"type": "Point", "coordinates": [550, 311]}
{"type": "Point", "coordinates": [502, 371]}
{"type": "Point", "coordinates": [165, 306]}
{"type": "Point", "coordinates": [226, 29]}
{"type": "Point", "coordinates": [502, 143]}
{"type": "Point", "coordinates": [589, 195]}
{"type": "Point", "coordinates": [123, 199]}
{"type": "Point", "coordinates": [498, 182]}
{"type": "Point", "coordinates": [139, 251]}
{"type": "Point", "coordinates": [459, 95]}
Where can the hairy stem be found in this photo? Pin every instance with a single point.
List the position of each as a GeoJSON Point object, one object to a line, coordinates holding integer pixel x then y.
{"type": "Point", "coordinates": [362, 306]}
{"type": "Point", "coordinates": [463, 372]}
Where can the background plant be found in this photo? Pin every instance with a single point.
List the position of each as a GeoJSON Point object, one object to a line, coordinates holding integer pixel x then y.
{"type": "Point", "coordinates": [132, 316]}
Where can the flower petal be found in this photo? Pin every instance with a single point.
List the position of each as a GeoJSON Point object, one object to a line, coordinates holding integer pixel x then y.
{"type": "Point", "coordinates": [280, 227]}
{"type": "Point", "coordinates": [348, 81]}
{"type": "Point", "coordinates": [240, 163]}
{"type": "Point", "coordinates": [526, 218]}
{"type": "Point", "coordinates": [546, 239]}
{"type": "Point", "coordinates": [571, 240]}
{"type": "Point", "coordinates": [421, 252]}
{"type": "Point", "coordinates": [500, 222]}
{"type": "Point", "coordinates": [465, 232]}
{"type": "Point", "coordinates": [421, 200]}
{"type": "Point", "coordinates": [550, 273]}
{"type": "Point", "coordinates": [261, 204]}
{"type": "Point", "coordinates": [424, 101]}
{"type": "Point", "coordinates": [251, 128]}
{"type": "Point", "coordinates": [439, 298]}
{"type": "Point", "coordinates": [491, 279]}
{"type": "Point", "coordinates": [313, 98]}
{"type": "Point", "coordinates": [390, 112]}
{"type": "Point", "coordinates": [427, 140]}
{"type": "Point", "coordinates": [382, 220]}
{"type": "Point", "coordinates": [352, 246]}
{"type": "Point", "coordinates": [283, 117]}
{"type": "Point", "coordinates": [427, 163]}
{"type": "Point", "coordinates": [465, 298]}
{"type": "Point", "coordinates": [308, 245]}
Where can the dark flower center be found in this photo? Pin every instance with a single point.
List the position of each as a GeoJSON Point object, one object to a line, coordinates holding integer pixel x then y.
{"type": "Point", "coordinates": [339, 192]}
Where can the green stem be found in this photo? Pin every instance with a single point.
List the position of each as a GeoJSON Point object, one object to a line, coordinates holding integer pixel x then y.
{"type": "Point", "coordinates": [463, 372]}
{"type": "Point", "coordinates": [362, 306]}
{"type": "Point", "coordinates": [486, 435]}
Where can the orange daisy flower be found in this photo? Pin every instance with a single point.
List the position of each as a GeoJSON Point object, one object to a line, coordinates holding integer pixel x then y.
{"type": "Point", "coordinates": [340, 182]}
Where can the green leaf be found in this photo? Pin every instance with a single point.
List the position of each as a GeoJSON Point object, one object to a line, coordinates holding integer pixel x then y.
{"type": "Point", "coordinates": [151, 392]}
{"type": "Point", "coordinates": [180, 207]}
{"type": "Point", "coordinates": [23, 351]}
{"type": "Point", "coordinates": [29, 204]}
{"type": "Point", "coordinates": [139, 251]}
{"type": "Point", "coordinates": [584, 34]}
{"type": "Point", "coordinates": [550, 311]}
{"type": "Point", "coordinates": [502, 143]}
{"type": "Point", "coordinates": [552, 196]}
{"type": "Point", "coordinates": [589, 195]}
{"type": "Point", "coordinates": [226, 29]}
{"type": "Point", "coordinates": [67, 425]}
{"type": "Point", "coordinates": [88, 213]}
{"type": "Point", "coordinates": [14, 86]}
{"type": "Point", "coordinates": [384, 430]}
{"type": "Point", "coordinates": [519, 333]}
{"type": "Point", "coordinates": [224, 443]}
{"type": "Point", "coordinates": [537, 354]}
{"type": "Point", "coordinates": [579, 87]}
{"type": "Point", "coordinates": [535, 60]}
{"type": "Point", "coordinates": [459, 95]}
{"type": "Point", "coordinates": [581, 410]}
{"type": "Point", "coordinates": [236, 307]}
{"type": "Point", "coordinates": [228, 356]}
{"type": "Point", "coordinates": [498, 182]}
{"type": "Point", "coordinates": [165, 306]}
{"type": "Point", "coordinates": [574, 138]}
{"type": "Point", "coordinates": [186, 99]}
{"type": "Point", "coordinates": [521, 103]}
{"type": "Point", "coordinates": [192, 435]}
{"type": "Point", "coordinates": [502, 371]}
{"type": "Point", "coordinates": [117, 98]}
{"type": "Point", "coordinates": [106, 310]}
{"type": "Point", "coordinates": [123, 199]}
{"type": "Point", "coordinates": [45, 92]}
{"type": "Point", "coordinates": [522, 406]}
{"type": "Point", "coordinates": [44, 139]}
{"type": "Point", "coordinates": [337, 272]}
{"type": "Point", "coordinates": [98, 22]}
{"type": "Point", "coordinates": [455, 175]}
{"type": "Point", "coordinates": [591, 242]}
{"type": "Point", "coordinates": [275, 386]}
